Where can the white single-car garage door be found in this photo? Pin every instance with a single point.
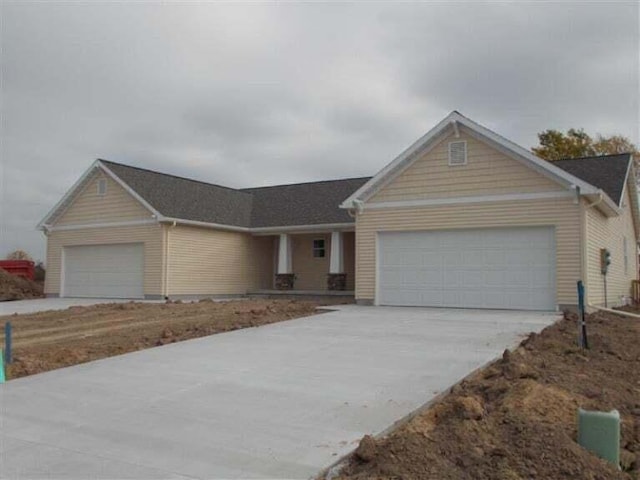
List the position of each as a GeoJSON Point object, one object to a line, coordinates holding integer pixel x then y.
{"type": "Point", "coordinates": [104, 271]}
{"type": "Point", "coordinates": [511, 268]}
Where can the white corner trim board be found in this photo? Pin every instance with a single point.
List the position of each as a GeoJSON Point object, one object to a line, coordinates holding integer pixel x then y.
{"type": "Point", "coordinates": [471, 199]}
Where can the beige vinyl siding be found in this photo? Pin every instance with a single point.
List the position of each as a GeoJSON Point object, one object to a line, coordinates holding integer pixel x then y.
{"type": "Point", "coordinates": [264, 262]}
{"type": "Point", "coordinates": [311, 272]}
{"type": "Point", "coordinates": [487, 172]}
{"type": "Point", "coordinates": [117, 205]}
{"type": "Point", "coordinates": [564, 214]}
{"type": "Point", "coordinates": [149, 235]}
{"type": "Point", "coordinates": [603, 232]}
{"type": "Point", "coordinates": [203, 261]}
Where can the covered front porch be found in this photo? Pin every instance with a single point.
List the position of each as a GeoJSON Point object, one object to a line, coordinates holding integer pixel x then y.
{"type": "Point", "coordinates": [309, 263]}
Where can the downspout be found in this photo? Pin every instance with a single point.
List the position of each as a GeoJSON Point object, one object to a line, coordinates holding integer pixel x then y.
{"type": "Point", "coordinates": [584, 231]}
{"type": "Point", "coordinates": [166, 260]}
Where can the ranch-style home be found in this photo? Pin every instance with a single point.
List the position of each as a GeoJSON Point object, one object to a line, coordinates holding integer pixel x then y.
{"type": "Point", "coordinates": [462, 218]}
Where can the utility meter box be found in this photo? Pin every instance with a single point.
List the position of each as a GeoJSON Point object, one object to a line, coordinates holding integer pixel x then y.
{"type": "Point", "coordinates": [599, 432]}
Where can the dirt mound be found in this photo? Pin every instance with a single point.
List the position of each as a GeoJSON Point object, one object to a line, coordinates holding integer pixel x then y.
{"type": "Point", "coordinates": [13, 287]}
{"type": "Point", "coordinates": [516, 419]}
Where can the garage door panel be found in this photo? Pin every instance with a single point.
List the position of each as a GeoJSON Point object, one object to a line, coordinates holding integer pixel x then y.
{"type": "Point", "coordinates": [104, 271]}
{"type": "Point", "coordinates": [485, 268]}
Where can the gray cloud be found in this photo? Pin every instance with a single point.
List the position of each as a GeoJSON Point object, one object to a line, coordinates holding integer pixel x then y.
{"type": "Point", "coordinates": [262, 94]}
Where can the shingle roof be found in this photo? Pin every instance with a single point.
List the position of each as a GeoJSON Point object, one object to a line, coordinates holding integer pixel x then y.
{"type": "Point", "coordinates": [187, 199]}
{"type": "Point", "coordinates": [311, 203]}
{"type": "Point", "coordinates": [607, 172]}
{"type": "Point", "coordinates": [302, 203]}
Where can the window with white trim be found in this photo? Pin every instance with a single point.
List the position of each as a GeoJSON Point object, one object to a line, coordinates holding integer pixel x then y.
{"type": "Point", "coordinates": [318, 248]}
{"type": "Point", "coordinates": [626, 255]}
{"type": "Point", "coordinates": [457, 153]}
{"type": "Point", "coordinates": [102, 186]}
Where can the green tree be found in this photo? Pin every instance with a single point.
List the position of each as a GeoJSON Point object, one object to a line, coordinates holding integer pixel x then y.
{"type": "Point", "coordinates": [555, 145]}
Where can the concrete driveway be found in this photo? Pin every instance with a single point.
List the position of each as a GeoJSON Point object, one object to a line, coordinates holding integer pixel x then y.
{"type": "Point", "coordinates": [44, 304]}
{"type": "Point", "coordinates": [279, 401]}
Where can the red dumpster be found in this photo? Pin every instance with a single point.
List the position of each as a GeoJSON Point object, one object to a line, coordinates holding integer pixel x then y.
{"type": "Point", "coordinates": [20, 268]}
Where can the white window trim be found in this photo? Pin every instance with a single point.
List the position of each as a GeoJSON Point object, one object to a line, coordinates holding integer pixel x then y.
{"type": "Point", "coordinates": [464, 142]}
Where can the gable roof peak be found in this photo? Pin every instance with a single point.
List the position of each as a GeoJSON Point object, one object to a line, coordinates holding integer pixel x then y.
{"type": "Point", "coordinates": [453, 121]}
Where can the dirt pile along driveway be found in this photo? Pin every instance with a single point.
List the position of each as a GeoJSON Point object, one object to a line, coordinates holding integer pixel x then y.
{"type": "Point", "coordinates": [49, 340]}
{"type": "Point", "coordinates": [13, 287]}
{"type": "Point", "coordinates": [516, 419]}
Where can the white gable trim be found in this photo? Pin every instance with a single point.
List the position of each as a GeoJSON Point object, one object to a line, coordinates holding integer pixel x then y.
{"type": "Point", "coordinates": [67, 200]}
{"type": "Point", "coordinates": [130, 191]}
{"type": "Point", "coordinates": [43, 224]}
{"type": "Point", "coordinates": [454, 121]}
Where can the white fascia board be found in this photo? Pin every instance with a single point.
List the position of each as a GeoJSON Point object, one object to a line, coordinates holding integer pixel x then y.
{"type": "Point", "coordinates": [129, 190]}
{"type": "Point", "coordinates": [605, 205]}
{"type": "Point", "coordinates": [631, 186]}
{"type": "Point", "coordinates": [132, 223]}
{"type": "Point", "coordinates": [399, 160]}
{"type": "Point", "coordinates": [470, 199]}
{"type": "Point", "coordinates": [560, 174]}
{"type": "Point", "coordinates": [626, 179]}
{"type": "Point", "coordinates": [303, 228]}
{"type": "Point", "coordinates": [196, 223]}
{"type": "Point", "coordinates": [456, 120]}
{"type": "Point", "coordinates": [43, 224]}
{"type": "Point", "coordinates": [264, 230]}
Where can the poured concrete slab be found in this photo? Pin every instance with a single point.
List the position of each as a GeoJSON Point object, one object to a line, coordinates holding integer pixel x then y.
{"type": "Point", "coordinates": [279, 401]}
{"type": "Point", "coordinates": [45, 304]}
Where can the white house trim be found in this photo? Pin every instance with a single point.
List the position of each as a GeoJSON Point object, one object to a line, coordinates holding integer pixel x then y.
{"type": "Point", "coordinates": [303, 228]}
{"type": "Point", "coordinates": [195, 223]}
{"type": "Point", "coordinates": [129, 190]}
{"type": "Point", "coordinates": [336, 254]}
{"type": "Point", "coordinates": [76, 189]}
{"type": "Point", "coordinates": [67, 196]}
{"type": "Point", "coordinates": [284, 254]}
{"type": "Point", "coordinates": [132, 223]}
{"type": "Point", "coordinates": [470, 199]}
{"type": "Point", "coordinates": [406, 158]}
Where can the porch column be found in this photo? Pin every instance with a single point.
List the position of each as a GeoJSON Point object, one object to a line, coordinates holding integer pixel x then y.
{"type": "Point", "coordinates": [284, 276]}
{"type": "Point", "coordinates": [336, 259]}
{"type": "Point", "coordinates": [337, 279]}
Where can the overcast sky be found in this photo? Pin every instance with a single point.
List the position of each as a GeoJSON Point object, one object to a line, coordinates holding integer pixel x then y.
{"type": "Point", "coordinates": [267, 94]}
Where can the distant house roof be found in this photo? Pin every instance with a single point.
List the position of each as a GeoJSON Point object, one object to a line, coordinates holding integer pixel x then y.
{"type": "Point", "coordinates": [313, 203]}
{"type": "Point", "coordinates": [607, 172]}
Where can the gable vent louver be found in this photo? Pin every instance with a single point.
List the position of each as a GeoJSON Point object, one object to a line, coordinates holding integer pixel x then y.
{"type": "Point", "coordinates": [458, 153]}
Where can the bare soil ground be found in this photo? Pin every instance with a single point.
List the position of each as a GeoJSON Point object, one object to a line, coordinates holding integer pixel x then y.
{"type": "Point", "coordinates": [13, 287]}
{"type": "Point", "coordinates": [516, 419]}
{"type": "Point", "coordinates": [49, 340]}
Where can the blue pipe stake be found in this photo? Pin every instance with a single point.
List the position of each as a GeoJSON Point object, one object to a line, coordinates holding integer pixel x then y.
{"type": "Point", "coordinates": [7, 343]}
{"type": "Point", "coordinates": [582, 327]}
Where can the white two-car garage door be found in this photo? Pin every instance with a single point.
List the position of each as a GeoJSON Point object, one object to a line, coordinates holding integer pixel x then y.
{"type": "Point", "coordinates": [510, 268]}
{"type": "Point", "coordinates": [104, 271]}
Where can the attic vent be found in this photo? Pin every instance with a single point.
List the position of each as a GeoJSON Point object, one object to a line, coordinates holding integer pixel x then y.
{"type": "Point", "coordinates": [458, 153]}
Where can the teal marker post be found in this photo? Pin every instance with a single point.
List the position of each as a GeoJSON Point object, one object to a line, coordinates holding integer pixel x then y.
{"type": "Point", "coordinates": [1, 367]}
